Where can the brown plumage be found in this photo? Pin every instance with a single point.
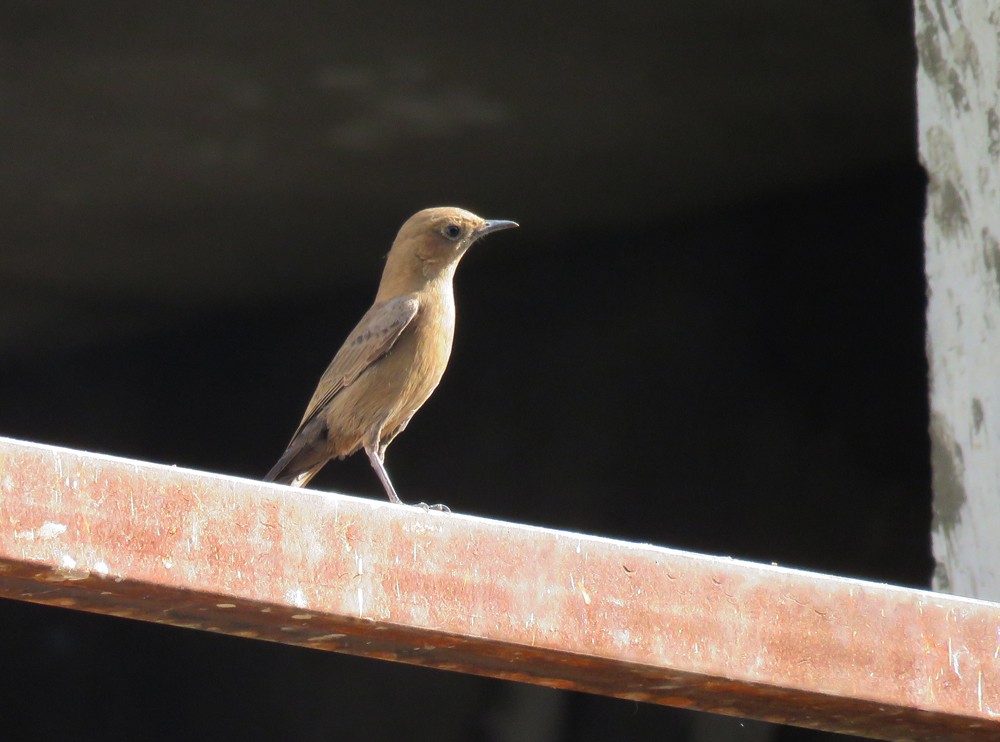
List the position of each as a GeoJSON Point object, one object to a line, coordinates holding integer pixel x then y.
{"type": "Point", "coordinates": [395, 357]}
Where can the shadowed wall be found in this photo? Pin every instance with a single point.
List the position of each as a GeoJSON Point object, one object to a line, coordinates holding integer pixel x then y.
{"type": "Point", "coordinates": [708, 332]}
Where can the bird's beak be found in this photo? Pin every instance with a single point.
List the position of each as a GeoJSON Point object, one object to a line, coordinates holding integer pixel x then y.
{"type": "Point", "coordinates": [494, 225]}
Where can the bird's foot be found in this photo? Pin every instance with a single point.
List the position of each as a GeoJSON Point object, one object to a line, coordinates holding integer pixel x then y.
{"type": "Point", "coordinates": [439, 507]}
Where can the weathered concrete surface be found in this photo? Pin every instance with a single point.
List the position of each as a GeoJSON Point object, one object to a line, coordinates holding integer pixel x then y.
{"type": "Point", "coordinates": [958, 85]}
{"type": "Point", "coordinates": [560, 609]}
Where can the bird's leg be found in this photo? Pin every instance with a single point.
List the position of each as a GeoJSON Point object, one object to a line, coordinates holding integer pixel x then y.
{"type": "Point", "coordinates": [375, 457]}
{"type": "Point", "coordinates": [441, 507]}
{"type": "Point", "coordinates": [385, 440]}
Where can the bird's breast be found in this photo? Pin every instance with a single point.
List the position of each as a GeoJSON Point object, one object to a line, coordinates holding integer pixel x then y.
{"type": "Point", "coordinates": [411, 371]}
{"type": "Point", "coordinates": [429, 339]}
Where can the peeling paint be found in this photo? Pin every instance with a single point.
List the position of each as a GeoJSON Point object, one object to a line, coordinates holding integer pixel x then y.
{"type": "Point", "coordinates": [991, 255]}
{"type": "Point", "coordinates": [297, 597]}
{"type": "Point", "coordinates": [325, 638]}
{"type": "Point", "coordinates": [977, 414]}
{"type": "Point", "coordinates": [929, 52]}
{"type": "Point", "coordinates": [51, 530]}
{"type": "Point", "coordinates": [947, 471]}
{"type": "Point", "coordinates": [993, 133]}
{"type": "Point", "coordinates": [945, 185]}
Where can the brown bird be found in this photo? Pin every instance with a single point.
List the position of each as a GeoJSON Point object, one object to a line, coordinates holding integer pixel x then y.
{"type": "Point", "coordinates": [395, 357]}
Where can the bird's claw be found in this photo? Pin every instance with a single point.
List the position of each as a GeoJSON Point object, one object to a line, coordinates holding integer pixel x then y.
{"type": "Point", "coordinates": [441, 508]}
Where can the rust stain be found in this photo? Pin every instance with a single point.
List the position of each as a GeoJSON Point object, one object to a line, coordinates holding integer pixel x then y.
{"type": "Point", "coordinates": [533, 605]}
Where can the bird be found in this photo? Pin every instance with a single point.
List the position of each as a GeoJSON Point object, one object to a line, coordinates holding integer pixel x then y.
{"type": "Point", "coordinates": [395, 356]}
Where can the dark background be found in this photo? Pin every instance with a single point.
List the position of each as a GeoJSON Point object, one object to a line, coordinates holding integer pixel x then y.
{"type": "Point", "coordinates": [707, 334]}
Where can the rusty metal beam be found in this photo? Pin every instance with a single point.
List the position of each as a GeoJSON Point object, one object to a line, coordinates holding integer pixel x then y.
{"type": "Point", "coordinates": [216, 553]}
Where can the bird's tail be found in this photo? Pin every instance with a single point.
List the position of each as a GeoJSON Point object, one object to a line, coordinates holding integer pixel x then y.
{"type": "Point", "coordinates": [301, 461]}
{"type": "Point", "coordinates": [276, 472]}
{"type": "Point", "coordinates": [297, 480]}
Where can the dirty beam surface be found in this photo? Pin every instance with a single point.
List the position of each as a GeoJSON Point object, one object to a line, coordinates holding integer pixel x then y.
{"type": "Point", "coordinates": [566, 610]}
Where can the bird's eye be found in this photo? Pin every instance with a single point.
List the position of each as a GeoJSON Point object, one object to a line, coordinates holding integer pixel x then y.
{"type": "Point", "coordinates": [452, 231]}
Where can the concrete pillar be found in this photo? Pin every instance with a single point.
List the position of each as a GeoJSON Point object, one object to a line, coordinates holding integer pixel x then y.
{"type": "Point", "coordinates": [958, 94]}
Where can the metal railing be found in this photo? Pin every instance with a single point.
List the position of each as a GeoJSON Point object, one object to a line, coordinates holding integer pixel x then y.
{"type": "Point", "coordinates": [566, 610]}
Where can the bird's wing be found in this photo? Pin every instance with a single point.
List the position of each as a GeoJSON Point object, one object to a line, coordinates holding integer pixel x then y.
{"type": "Point", "coordinates": [371, 339]}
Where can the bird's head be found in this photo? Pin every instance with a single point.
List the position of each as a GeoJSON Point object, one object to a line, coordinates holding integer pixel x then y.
{"type": "Point", "coordinates": [432, 241]}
